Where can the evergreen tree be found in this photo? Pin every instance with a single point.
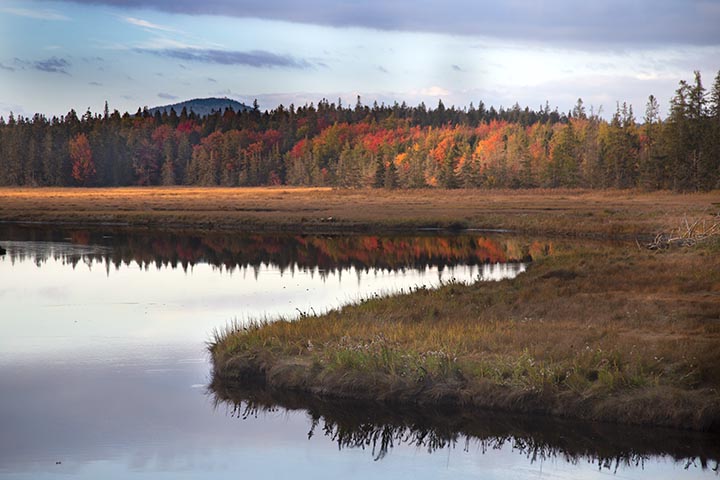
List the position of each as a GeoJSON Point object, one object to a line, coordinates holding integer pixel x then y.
{"type": "Point", "coordinates": [50, 166]}
{"type": "Point", "coordinates": [652, 161]}
{"type": "Point", "coordinates": [13, 141]}
{"type": "Point", "coordinates": [446, 177]}
{"type": "Point", "coordinates": [621, 149]}
{"type": "Point", "coordinates": [391, 175]}
{"type": "Point", "coordinates": [563, 167]}
{"type": "Point", "coordinates": [394, 145]}
{"type": "Point", "coordinates": [168, 166]}
{"type": "Point", "coordinates": [579, 110]}
{"type": "Point", "coordinates": [714, 100]}
{"type": "Point", "coordinates": [379, 181]}
{"type": "Point", "coordinates": [693, 167]}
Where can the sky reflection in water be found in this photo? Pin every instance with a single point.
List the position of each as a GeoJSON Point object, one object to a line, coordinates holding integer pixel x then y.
{"type": "Point", "coordinates": [103, 368]}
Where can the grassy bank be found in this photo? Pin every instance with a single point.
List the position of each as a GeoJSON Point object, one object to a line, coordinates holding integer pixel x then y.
{"type": "Point", "coordinates": [574, 212]}
{"type": "Point", "coordinates": [610, 334]}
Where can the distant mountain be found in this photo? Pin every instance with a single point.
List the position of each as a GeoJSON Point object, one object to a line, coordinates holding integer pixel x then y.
{"type": "Point", "coordinates": [203, 106]}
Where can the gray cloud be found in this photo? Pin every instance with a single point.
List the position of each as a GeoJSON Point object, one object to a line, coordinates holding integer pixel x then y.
{"type": "Point", "coordinates": [609, 22]}
{"type": "Point", "coordinates": [95, 84]}
{"type": "Point", "coordinates": [52, 65]}
{"type": "Point", "coordinates": [457, 68]}
{"type": "Point", "coordinates": [254, 58]}
{"type": "Point", "coordinates": [5, 67]}
{"type": "Point", "coordinates": [167, 96]}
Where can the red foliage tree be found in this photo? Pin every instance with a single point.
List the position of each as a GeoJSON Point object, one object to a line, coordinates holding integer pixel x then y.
{"type": "Point", "coordinates": [83, 167]}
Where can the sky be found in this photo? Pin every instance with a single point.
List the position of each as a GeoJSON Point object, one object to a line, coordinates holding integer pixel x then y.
{"type": "Point", "coordinates": [62, 55]}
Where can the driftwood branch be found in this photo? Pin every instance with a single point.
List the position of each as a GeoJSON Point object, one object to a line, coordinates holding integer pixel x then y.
{"type": "Point", "coordinates": [689, 233]}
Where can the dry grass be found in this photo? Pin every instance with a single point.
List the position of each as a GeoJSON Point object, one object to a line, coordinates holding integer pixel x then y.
{"type": "Point", "coordinates": [602, 334]}
{"type": "Point", "coordinates": [688, 233]}
{"type": "Point", "coordinates": [586, 212]}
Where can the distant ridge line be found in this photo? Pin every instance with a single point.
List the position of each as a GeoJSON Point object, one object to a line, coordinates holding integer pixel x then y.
{"type": "Point", "coordinates": [202, 106]}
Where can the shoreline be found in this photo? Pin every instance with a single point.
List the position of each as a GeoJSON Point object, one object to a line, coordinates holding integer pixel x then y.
{"type": "Point", "coordinates": [345, 230]}
{"type": "Point", "coordinates": [575, 213]}
{"type": "Point", "coordinates": [594, 336]}
{"type": "Point", "coordinates": [596, 331]}
{"type": "Point", "coordinates": [646, 408]}
{"type": "Point", "coordinates": [354, 423]}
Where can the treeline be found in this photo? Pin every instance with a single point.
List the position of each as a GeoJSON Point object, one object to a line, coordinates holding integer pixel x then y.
{"type": "Point", "coordinates": [380, 146]}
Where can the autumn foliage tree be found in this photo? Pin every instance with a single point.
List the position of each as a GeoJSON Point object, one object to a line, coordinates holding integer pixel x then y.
{"type": "Point", "coordinates": [382, 146]}
{"type": "Point", "coordinates": [83, 167]}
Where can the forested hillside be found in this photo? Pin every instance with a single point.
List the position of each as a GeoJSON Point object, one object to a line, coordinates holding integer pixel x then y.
{"type": "Point", "coordinates": [201, 106]}
{"type": "Point", "coordinates": [382, 146]}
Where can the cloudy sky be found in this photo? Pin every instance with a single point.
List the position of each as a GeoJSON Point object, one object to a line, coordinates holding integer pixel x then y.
{"type": "Point", "coordinates": [59, 55]}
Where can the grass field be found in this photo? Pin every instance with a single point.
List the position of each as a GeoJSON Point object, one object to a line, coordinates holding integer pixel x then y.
{"type": "Point", "coordinates": [612, 333]}
{"type": "Point", "coordinates": [575, 212]}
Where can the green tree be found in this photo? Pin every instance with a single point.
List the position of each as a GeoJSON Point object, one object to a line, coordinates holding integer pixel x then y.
{"type": "Point", "coordinates": [379, 180]}
{"type": "Point", "coordinates": [50, 165]}
{"type": "Point", "coordinates": [714, 100]}
{"type": "Point", "coordinates": [168, 166]}
{"type": "Point", "coordinates": [446, 175]}
{"type": "Point", "coordinates": [518, 151]}
{"type": "Point", "coordinates": [184, 155]}
{"type": "Point", "coordinates": [690, 143]}
{"type": "Point", "coordinates": [349, 171]}
{"type": "Point", "coordinates": [391, 175]}
{"type": "Point", "coordinates": [563, 168]}
{"type": "Point", "coordinates": [713, 135]}
{"type": "Point", "coordinates": [621, 149]}
{"type": "Point", "coordinates": [652, 161]}
{"type": "Point", "coordinates": [579, 110]}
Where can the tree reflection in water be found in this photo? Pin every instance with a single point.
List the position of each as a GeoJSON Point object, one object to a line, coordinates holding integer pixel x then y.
{"type": "Point", "coordinates": [380, 427]}
{"type": "Point", "coordinates": [326, 253]}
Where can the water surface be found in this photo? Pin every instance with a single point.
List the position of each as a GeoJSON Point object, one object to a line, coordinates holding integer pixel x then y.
{"type": "Point", "coordinates": [104, 374]}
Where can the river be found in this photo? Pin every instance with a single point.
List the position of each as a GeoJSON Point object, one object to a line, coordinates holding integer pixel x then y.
{"type": "Point", "coordinates": [104, 371]}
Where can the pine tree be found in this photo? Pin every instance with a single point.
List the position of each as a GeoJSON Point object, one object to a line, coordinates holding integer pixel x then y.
{"type": "Point", "coordinates": [50, 166]}
{"type": "Point", "coordinates": [446, 176]}
{"type": "Point", "coordinates": [712, 137]}
{"type": "Point", "coordinates": [379, 181]}
{"type": "Point", "coordinates": [168, 167]}
{"type": "Point", "coordinates": [563, 166]}
{"type": "Point", "coordinates": [651, 169]}
{"type": "Point", "coordinates": [579, 110]}
{"type": "Point", "coordinates": [391, 175]}
{"type": "Point", "coordinates": [693, 166]}
{"type": "Point", "coordinates": [714, 100]}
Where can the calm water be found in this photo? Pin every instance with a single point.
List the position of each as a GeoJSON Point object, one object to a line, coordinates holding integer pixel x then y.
{"type": "Point", "coordinates": [103, 370]}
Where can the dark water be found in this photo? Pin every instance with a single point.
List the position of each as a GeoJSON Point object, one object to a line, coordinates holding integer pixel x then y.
{"type": "Point", "coordinates": [103, 370]}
